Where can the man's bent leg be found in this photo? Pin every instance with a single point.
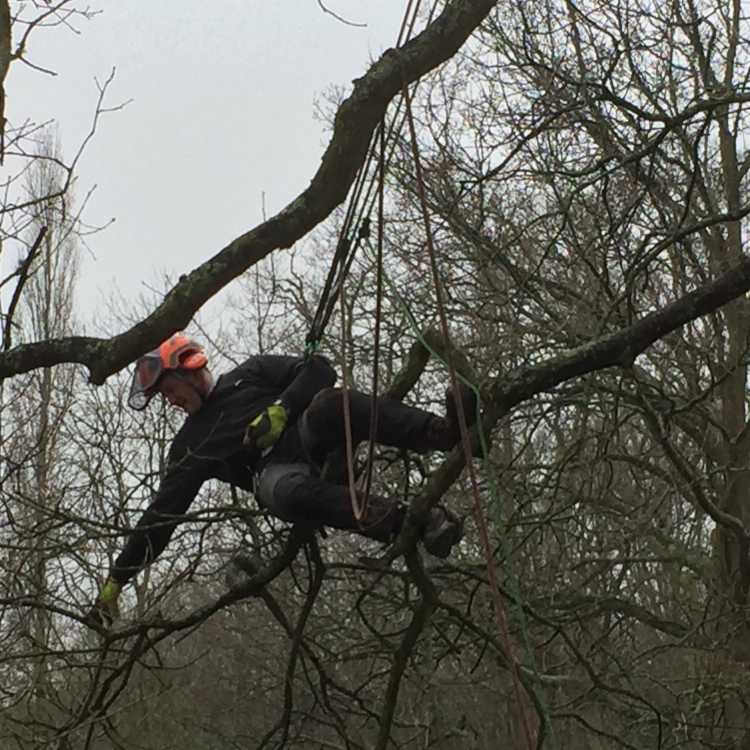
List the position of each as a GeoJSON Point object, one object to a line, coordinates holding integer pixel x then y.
{"type": "Point", "coordinates": [398, 425]}
{"type": "Point", "coordinates": [294, 494]}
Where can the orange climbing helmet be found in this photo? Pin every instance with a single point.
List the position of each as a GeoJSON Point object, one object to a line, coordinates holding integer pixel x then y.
{"type": "Point", "coordinates": [177, 353]}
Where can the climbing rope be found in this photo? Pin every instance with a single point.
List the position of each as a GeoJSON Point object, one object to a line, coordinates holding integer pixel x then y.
{"type": "Point", "coordinates": [356, 220]}
{"type": "Point", "coordinates": [490, 478]}
{"type": "Point", "coordinates": [378, 318]}
{"type": "Point", "coordinates": [356, 223]}
{"type": "Point", "coordinates": [479, 515]}
{"type": "Point", "coordinates": [360, 507]}
{"type": "Point", "coordinates": [354, 230]}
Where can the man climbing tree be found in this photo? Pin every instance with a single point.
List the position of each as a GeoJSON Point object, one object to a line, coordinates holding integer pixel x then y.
{"type": "Point", "coordinates": [267, 426]}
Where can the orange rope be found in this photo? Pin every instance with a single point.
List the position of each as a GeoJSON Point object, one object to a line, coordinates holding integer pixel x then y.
{"type": "Point", "coordinates": [478, 510]}
{"type": "Point", "coordinates": [358, 508]}
{"type": "Point", "coordinates": [378, 320]}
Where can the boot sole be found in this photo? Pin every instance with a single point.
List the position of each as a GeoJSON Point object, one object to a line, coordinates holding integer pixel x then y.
{"type": "Point", "coordinates": [441, 543]}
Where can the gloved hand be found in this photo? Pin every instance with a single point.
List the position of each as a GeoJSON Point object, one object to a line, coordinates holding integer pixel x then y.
{"type": "Point", "coordinates": [105, 610]}
{"type": "Point", "coordinates": [264, 430]}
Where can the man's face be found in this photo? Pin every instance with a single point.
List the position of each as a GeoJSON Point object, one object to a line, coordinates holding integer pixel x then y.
{"type": "Point", "coordinates": [180, 393]}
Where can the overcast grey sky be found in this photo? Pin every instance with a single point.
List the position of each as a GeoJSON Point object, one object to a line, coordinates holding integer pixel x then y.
{"type": "Point", "coordinates": [222, 112]}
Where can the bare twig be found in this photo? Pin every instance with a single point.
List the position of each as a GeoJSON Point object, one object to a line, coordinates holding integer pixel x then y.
{"type": "Point", "coordinates": [339, 18]}
{"type": "Point", "coordinates": [23, 275]}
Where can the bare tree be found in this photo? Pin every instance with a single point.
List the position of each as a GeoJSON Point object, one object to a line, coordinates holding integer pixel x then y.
{"type": "Point", "coordinates": [582, 171]}
{"type": "Point", "coordinates": [34, 409]}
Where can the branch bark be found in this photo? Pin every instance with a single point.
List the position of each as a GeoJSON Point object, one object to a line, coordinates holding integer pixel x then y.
{"type": "Point", "coordinates": [622, 348]}
{"type": "Point", "coordinates": [23, 275]}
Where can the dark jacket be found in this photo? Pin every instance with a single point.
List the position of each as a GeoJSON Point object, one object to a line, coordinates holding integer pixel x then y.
{"type": "Point", "coordinates": [209, 444]}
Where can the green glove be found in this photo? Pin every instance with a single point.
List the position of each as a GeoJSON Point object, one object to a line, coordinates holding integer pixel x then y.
{"type": "Point", "coordinates": [264, 430]}
{"type": "Point", "coordinates": [105, 610]}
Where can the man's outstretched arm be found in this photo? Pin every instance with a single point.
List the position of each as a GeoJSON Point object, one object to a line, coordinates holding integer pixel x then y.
{"type": "Point", "coordinates": [150, 536]}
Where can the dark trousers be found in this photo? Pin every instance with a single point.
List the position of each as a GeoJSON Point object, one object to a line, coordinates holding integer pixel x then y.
{"type": "Point", "coordinates": [295, 491]}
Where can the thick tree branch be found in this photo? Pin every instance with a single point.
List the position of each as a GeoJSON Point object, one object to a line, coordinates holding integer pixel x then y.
{"type": "Point", "coordinates": [623, 347]}
{"type": "Point", "coordinates": [617, 349]}
{"type": "Point", "coordinates": [355, 121]}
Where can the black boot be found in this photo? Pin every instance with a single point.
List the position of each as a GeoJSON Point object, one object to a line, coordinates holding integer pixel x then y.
{"type": "Point", "coordinates": [382, 520]}
{"type": "Point", "coordinates": [443, 530]}
{"type": "Point", "coordinates": [444, 433]}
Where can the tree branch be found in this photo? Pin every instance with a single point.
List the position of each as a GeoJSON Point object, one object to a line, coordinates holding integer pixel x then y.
{"type": "Point", "coordinates": [617, 349]}
{"type": "Point", "coordinates": [420, 618]}
{"type": "Point", "coordinates": [355, 121]}
{"type": "Point", "coordinates": [23, 274]}
{"type": "Point", "coordinates": [623, 347]}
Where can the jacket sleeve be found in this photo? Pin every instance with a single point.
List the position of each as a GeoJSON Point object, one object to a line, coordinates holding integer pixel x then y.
{"type": "Point", "coordinates": [298, 379]}
{"type": "Point", "coordinates": [177, 490]}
